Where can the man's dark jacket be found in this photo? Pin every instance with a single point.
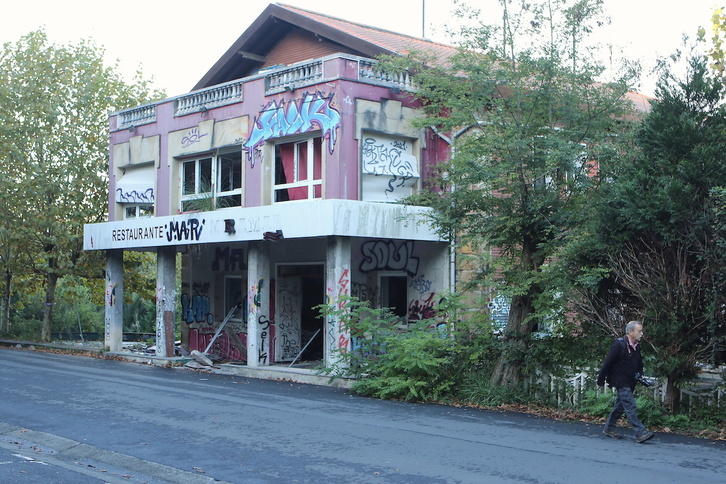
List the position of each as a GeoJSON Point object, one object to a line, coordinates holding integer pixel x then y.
{"type": "Point", "coordinates": [620, 365]}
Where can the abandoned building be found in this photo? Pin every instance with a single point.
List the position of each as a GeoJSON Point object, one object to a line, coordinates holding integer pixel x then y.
{"type": "Point", "coordinates": [276, 184]}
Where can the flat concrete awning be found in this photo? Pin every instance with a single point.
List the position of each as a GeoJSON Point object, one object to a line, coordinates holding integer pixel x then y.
{"type": "Point", "coordinates": [299, 219]}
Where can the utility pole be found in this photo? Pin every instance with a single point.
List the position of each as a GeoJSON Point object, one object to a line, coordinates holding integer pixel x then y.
{"type": "Point", "coordinates": [423, 19]}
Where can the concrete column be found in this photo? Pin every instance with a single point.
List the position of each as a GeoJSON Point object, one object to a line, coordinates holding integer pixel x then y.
{"type": "Point", "coordinates": [114, 305]}
{"type": "Point", "coordinates": [165, 300]}
{"type": "Point", "coordinates": [337, 282]}
{"type": "Point", "coordinates": [258, 304]}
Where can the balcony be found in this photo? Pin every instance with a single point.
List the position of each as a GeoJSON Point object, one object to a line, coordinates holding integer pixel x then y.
{"type": "Point", "coordinates": [276, 80]}
{"type": "Point", "coordinates": [213, 97]}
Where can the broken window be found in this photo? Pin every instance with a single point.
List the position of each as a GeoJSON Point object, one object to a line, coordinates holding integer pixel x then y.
{"type": "Point", "coordinates": [389, 168]}
{"type": "Point", "coordinates": [138, 211]}
{"type": "Point", "coordinates": [212, 182]}
{"type": "Point", "coordinates": [298, 170]}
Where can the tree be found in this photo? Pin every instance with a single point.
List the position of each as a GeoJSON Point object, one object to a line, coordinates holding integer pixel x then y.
{"type": "Point", "coordinates": [657, 228]}
{"type": "Point", "coordinates": [528, 127]}
{"type": "Point", "coordinates": [54, 104]}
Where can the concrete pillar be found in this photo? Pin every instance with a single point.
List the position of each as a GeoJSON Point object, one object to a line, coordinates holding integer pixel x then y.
{"type": "Point", "coordinates": [258, 304]}
{"type": "Point", "coordinates": [165, 300]}
{"type": "Point", "coordinates": [114, 304]}
{"type": "Point", "coordinates": [337, 282]}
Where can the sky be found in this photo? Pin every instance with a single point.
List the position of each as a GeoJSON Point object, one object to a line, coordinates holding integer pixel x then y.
{"type": "Point", "coordinates": [177, 41]}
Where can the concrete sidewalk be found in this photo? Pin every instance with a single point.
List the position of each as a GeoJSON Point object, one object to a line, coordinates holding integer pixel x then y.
{"type": "Point", "coordinates": [297, 373]}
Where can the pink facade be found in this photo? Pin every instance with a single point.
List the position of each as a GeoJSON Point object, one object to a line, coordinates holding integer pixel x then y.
{"type": "Point", "coordinates": [276, 193]}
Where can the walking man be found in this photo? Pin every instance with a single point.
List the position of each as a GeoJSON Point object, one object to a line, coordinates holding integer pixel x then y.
{"type": "Point", "coordinates": [621, 368]}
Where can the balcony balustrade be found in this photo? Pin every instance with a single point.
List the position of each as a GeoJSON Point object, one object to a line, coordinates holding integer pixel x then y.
{"type": "Point", "coordinates": [213, 97]}
{"type": "Point", "coordinates": [276, 80]}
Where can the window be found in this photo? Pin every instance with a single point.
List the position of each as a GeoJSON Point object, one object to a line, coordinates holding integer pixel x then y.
{"type": "Point", "coordinates": [138, 211]}
{"type": "Point", "coordinates": [298, 170]}
{"type": "Point", "coordinates": [389, 168]}
{"type": "Point", "coordinates": [212, 182]}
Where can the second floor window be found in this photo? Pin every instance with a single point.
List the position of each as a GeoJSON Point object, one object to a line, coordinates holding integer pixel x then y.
{"type": "Point", "coordinates": [138, 211]}
{"type": "Point", "coordinates": [298, 170]}
{"type": "Point", "coordinates": [212, 182]}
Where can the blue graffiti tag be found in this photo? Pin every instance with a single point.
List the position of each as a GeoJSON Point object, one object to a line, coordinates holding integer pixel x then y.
{"type": "Point", "coordinates": [311, 112]}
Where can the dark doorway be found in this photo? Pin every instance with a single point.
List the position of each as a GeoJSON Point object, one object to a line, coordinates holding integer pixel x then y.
{"type": "Point", "coordinates": [307, 339]}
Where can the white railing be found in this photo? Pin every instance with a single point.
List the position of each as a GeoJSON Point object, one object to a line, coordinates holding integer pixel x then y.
{"type": "Point", "coordinates": [137, 116]}
{"type": "Point", "coordinates": [294, 77]}
{"type": "Point", "coordinates": [368, 71]}
{"type": "Point", "coordinates": [276, 79]}
{"type": "Point", "coordinates": [707, 390]}
{"type": "Point", "coordinates": [212, 97]}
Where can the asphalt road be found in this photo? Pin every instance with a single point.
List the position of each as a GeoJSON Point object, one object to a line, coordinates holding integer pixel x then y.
{"type": "Point", "coordinates": [73, 419]}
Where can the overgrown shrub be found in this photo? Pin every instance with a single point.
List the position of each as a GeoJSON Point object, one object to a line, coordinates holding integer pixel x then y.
{"type": "Point", "coordinates": [477, 390]}
{"type": "Point", "coordinates": [415, 362]}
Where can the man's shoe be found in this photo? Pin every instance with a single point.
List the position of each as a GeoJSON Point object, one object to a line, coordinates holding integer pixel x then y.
{"type": "Point", "coordinates": [644, 437]}
{"type": "Point", "coordinates": [612, 433]}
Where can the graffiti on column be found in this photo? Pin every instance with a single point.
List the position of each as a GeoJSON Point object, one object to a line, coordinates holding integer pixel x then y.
{"type": "Point", "coordinates": [264, 325]}
{"type": "Point", "coordinates": [388, 255]}
{"type": "Point", "coordinates": [311, 112]}
{"type": "Point", "coordinates": [343, 289]}
{"type": "Point", "coordinates": [255, 294]}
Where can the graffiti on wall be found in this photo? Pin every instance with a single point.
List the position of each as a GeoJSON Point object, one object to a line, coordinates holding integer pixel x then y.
{"type": "Point", "coordinates": [193, 136]}
{"type": "Point", "coordinates": [388, 165]}
{"type": "Point", "coordinates": [196, 309]}
{"type": "Point", "coordinates": [283, 118]}
{"type": "Point", "coordinates": [223, 346]}
{"type": "Point", "coordinates": [188, 230]}
{"type": "Point", "coordinates": [420, 284]}
{"type": "Point", "coordinates": [388, 158]}
{"type": "Point", "coordinates": [287, 319]}
{"type": "Point", "coordinates": [233, 259]}
{"type": "Point", "coordinates": [361, 292]}
{"type": "Point", "coordinates": [135, 196]}
{"type": "Point", "coordinates": [422, 308]}
{"type": "Point", "coordinates": [389, 255]}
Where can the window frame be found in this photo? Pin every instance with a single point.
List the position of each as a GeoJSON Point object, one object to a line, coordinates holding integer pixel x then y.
{"type": "Point", "coordinates": [142, 210]}
{"type": "Point", "coordinates": [312, 170]}
{"type": "Point", "coordinates": [198, 193]}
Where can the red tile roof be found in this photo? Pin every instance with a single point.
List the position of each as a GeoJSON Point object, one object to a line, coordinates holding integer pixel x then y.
{"type": "Point", "coordinates": [390, 41]}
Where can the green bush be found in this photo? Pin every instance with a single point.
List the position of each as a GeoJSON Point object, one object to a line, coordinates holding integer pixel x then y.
{"type": "Point", "coordinates": [477, 390]}
{"type": "Point", "coordinates": [415, 362]}
{"type": "Point", "coordinates": [597, 405]}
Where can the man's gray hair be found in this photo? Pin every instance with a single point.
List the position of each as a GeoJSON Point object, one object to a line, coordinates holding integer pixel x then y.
{"type": "Point", "coordinates": [631, 326]}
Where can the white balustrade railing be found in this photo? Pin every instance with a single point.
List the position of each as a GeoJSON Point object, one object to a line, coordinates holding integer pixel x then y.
{"type": "Point", "coordinates": [137, 116]}
{"type": "Point", "coordinates": [276, 80]}
{"type": "Point", "coordinates": [368, 71]}
{"type": "Point", "coordinates": [294, 77]}
{"type": "Point", "coordinates": [212, 97]}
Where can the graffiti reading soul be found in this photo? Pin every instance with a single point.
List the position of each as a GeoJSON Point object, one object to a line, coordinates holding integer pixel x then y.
{"type": "Point", "coordinates": [389, 256]}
